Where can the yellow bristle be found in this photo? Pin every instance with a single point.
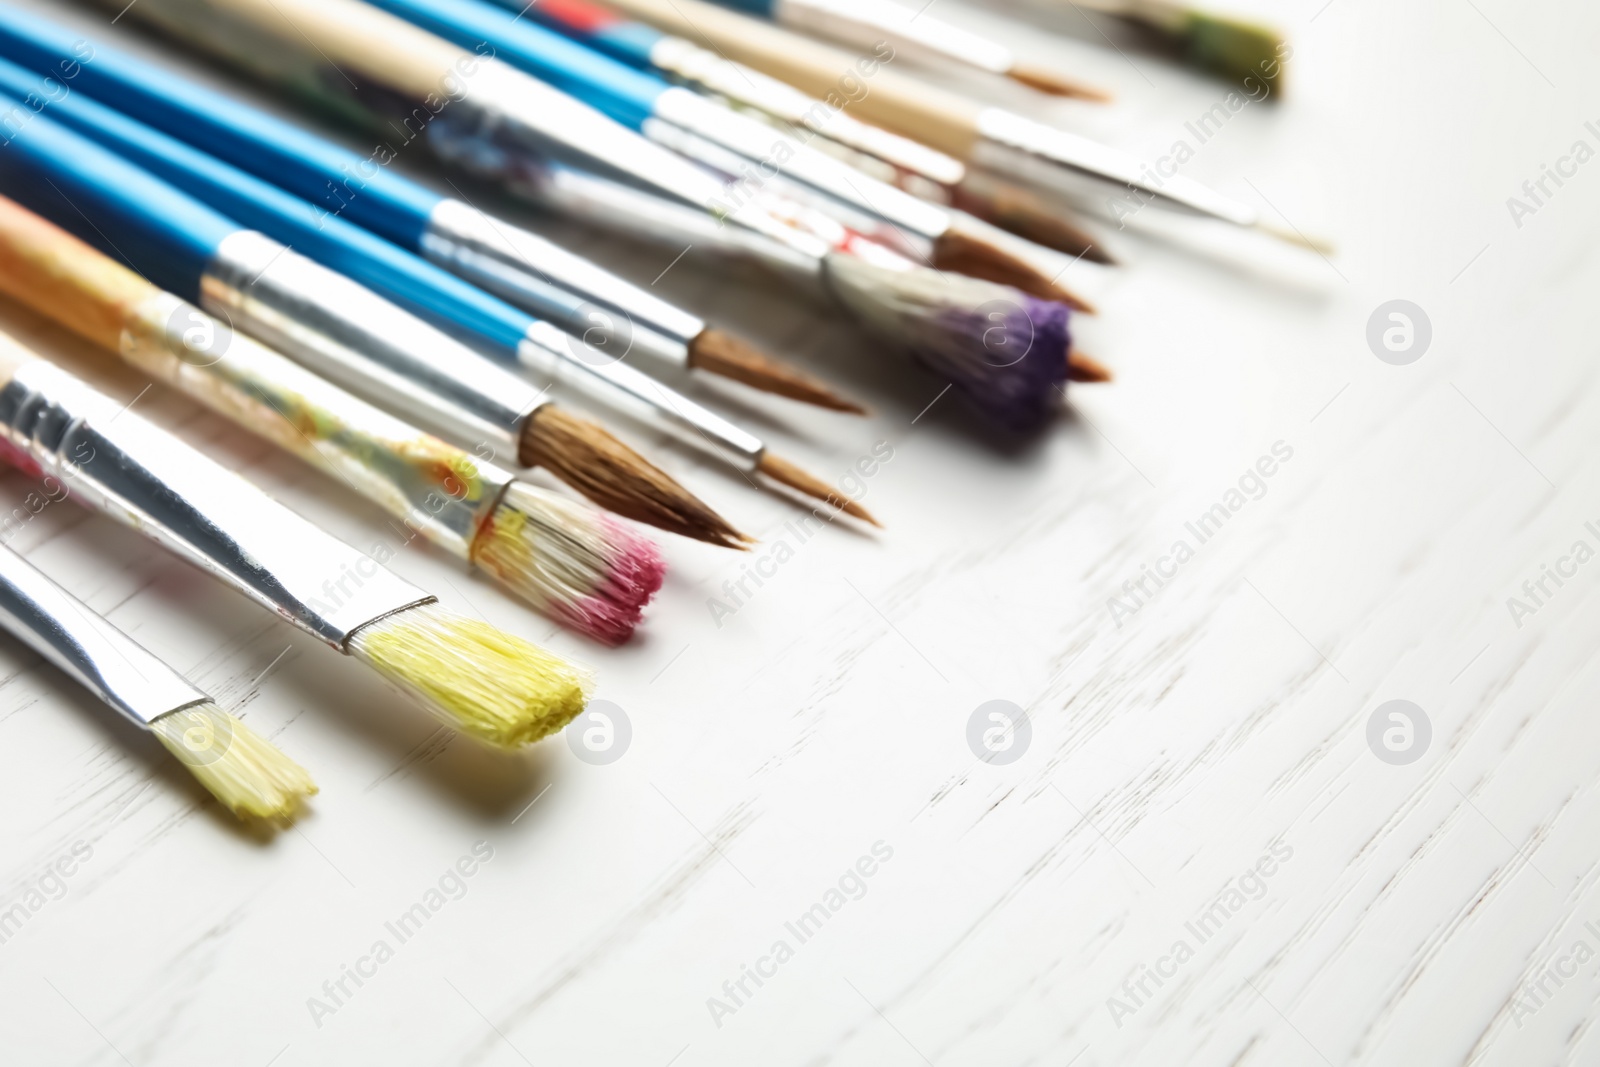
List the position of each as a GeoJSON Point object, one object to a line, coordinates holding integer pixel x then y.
{"type": "Point", "coordinates": [477, 678]}
{"type": "Point", "coordinates": [246, 772]}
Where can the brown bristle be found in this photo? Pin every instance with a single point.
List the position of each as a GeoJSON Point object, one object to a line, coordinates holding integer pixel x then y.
{"type": "Point", "coordinates": [587, 457]}
{"type": "Point", "coordinates": [977, 257]}
{"type": "Point", "coordinates": [1024, 213]}
{"type": "Point", "coordinates": [722, 353]}
{"type": "Point", "coordinates": [781, 470]}
{"type": "Point", "coordinates": [1082, 368]}
{"type": "Point", "coordinates": [1048, 81]}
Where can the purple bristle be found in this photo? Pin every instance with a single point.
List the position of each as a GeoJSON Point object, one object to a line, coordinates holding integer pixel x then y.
{"type": "Point", "coordinates": [1007, 357]}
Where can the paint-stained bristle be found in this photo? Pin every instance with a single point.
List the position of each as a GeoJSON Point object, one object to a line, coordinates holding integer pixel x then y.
{"type": "Point", "coordinates": [977, 249]}
{"type": "Point", "coordinates": [1048, 81]}
{"type": "Point", "coordinates": [473, 676]}
{"type": "Point", "coordinates": [573, 562]}
{"type": "Point", "coordinates": [587, 457]}
{"type": "Point", "coordinates": [1004, 350]}
{"type": "Point", "coordinates": [781, 470]}
{"type": "Point", "coordinates": [242, 769]}
{"type": "Point", "coordinates": [722, 353]}
{"type": "Point", "coordinates": [1234, 48]}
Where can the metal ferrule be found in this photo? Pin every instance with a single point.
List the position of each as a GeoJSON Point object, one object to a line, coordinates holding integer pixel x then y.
{"type": "Point", "coordinates": [97, 655]}
{"type": "Point", "coordinates": [144, 478]}
{"type": "Point", "coordinates": [520, 267]}
{"type": "Point", "coordinates": [516, 130]}
{"type": "Point", "coordinates": [826, 119]}
{"type": "Point", "coordinates": [435, 488]}
{"type": "Point", "coordinates": [921, 38]}
{"type": "Point", "coordinates": [1057, 162]}
{"type": "Point", "coordinates": [557, 358]}
{"type": "Point", "coordinates": [766, 155]}
{"type": "Point", "coordinates": [345, 332]}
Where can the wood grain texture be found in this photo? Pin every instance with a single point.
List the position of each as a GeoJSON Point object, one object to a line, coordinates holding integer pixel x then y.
{"type": "Point", "coordinates": [1427, 913]}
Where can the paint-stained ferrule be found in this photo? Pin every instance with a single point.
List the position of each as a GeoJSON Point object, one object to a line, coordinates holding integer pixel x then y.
{"type": "Point", "coordinates": [102, 658]}
{"type": "Point", "coordinates": [345, 332]}
{"type": "Point", "coordinates": [549, 355]}
{"type": "Point", "coordinates": [439, 490]}
{"type": "Point", "coordinates": [146, 479]}
{"type": "Point", "coordinates": [865, 23]}
{"type": "Point", "coordinates": [1057, 162]}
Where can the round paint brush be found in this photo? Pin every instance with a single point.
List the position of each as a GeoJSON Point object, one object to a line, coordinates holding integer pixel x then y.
{"type": "Point", "coordinates": [505, 126]}
{"type": "Point", "coordinates": [821, 123]}
{"type": "Point", "coordinates": [470, 675]}
{"type": "Point", "coordinates": [249, 774]}
{"type": "Point", "coordinates": [747, 152]}
{"type": "Point", "coordinates": [480, 319]}
{"type": "Point", "coordinates": [1206, 38]}
{"type": "Point", "coordinates": [567, 559]}
{"type": "Point", "coordinates": [335, 326]}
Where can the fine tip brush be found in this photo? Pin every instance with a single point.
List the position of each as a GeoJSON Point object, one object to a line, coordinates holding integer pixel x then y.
{"type": "Point", "coordinates": [468, 674]}
{"type": "Point", "coordinates": [249, 774]}
{"type": "Point", "coordinates": [504, 125]}
{"type": "Point", "coordinates": [340, 329]}
{"type": "Point", "coordinates": [567, 559]}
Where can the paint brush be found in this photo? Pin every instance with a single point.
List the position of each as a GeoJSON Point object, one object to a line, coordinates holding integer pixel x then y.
{"type": "Point", "coordinates": [752, 157]}
{"type": "Point", "coordinates": [335, 326]}
{"type": "Point", "coordinates": [249, 774]}
{"type": "Point", "coordinates": [822, 123]}
{"type": "Point", "coordinates": [470, 675]}
{"type": "Point", "coordinates": [923, 38]}
{"type": "Point", "coordinates": [487, 323]}
{"type": "Point", "coordinates": [520, 133]}
{"type": "Point", "coordinates": [1052, 161]}
{"type": "Point", "coordinates": [568, 560]}
{"type": "Point", "coordinates": [1208, 39]}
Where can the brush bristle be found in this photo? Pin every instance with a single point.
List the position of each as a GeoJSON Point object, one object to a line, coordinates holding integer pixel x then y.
{"type": "Point", "coordinates": [571, 561]}
{"type": "Point", "coordinates": [1082, 367]}
{"type": "Point", "coordinates": [1023, 213]}
{"type": "Point", "coordinates": [722, 353]}
{"type": "Point", "coordinates": [1231, 47]}
{"type": "Point", "coordinates": [979, 250]}
{"type": "Point", "coordinates": [249, 774]}
{"type": "Point", "coordinates": [1048, 81]}
{"type": "Point", "coordinates": [781, 470]}
{"type": "Point", "coordinates": [473, 676]}
{"type": "Point", "coordinates": [587, 457]}
{"type": "Point", "coordinates": [1004, 350]}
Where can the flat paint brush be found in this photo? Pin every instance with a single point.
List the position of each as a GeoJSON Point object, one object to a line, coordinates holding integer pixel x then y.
{"type": "Point", "coordinates": [335, 326]}
{"type": "Point", "coordinates": [470, 675]}
{"type": "Point", "coordinates": [1206, 38]}
{"type": "Point", "coordinates": [1053, 161]}
{"type": "Point", "coordinates": [922, 37]}
{"type": "Point", "coordinates": [568, 560]}
{"type": "Point", "coordinates": [489, 324]}
{"type": "Point", "coordinates": [755, 161]}
{"type": "Point", "coordinates": [819, 122]}
{"type": "Point", "coordinates": [517, 131]}
{"type": "Point", "coordinates": [249, 774]}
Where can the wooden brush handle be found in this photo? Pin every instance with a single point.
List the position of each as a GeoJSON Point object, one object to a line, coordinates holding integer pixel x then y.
{"type": "Point", "coordinates": [53, 272]}
{"type": "Point", "coordinates": [899, 102]}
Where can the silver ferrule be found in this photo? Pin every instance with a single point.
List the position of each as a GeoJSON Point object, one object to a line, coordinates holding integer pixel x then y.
{"type": "Point", "coordinates": [145, 478]}
{"type": "Point", "coordinates": [1057, 162]}
{"type": "Point", "coordinates": [766, 155]}
{"type": "Point", "coordinates": [548, 281]}
{"type": "Point", "coordinates": [828, 120]}
{"type": "Point", "coordinates": [920, 37]}
{"type": "Point", "coordinates": [98, 656]}
{"type": "Point", "coordinates": [436, 489]}
{"type": "Point", "coordinates": [559, 359]}
{"type": "Point", "coordinates": [345, 332]}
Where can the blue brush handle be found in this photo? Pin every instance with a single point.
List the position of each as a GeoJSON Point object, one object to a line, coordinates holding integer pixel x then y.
{"type": "Point", "coordinates": [627, 42]}
{"type": "Point", "coordinates": [436, 295]}
{"type": "Point", "coordinates": [760, 8]}
{"type": "Point", "coordinates": [620, 92]}
{"type": "Point", "coordinates": [106, 201]}
{"type": "Point", "coordinates": [297, 160]}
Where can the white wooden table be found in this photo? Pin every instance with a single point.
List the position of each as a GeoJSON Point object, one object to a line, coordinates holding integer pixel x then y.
{"type": "Point", "coordinates": [1197, 858]}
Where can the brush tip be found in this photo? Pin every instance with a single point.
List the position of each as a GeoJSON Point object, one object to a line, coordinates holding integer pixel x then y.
{"type": "Point", "coordinates": [473, 676]}
{"type": "Point", "coordinates": [249, 774]}
{"type": "Point", "coordinates": [1229, 46]}
{"type": "Point", "coordinates": [981, 250]}
{"type": "Point", "coordinates": [1049, 82]}
{"type": "Point", "coordinates": [1085, 368]}
{"type": "Point", "coordinates": [721, 353]}
{"type": "Point", "coordinates": [786, 473]}
{"type": "Point", "coordinates": [1290, 235]}
{"type": "Point", "coordinates": [583, 568]}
